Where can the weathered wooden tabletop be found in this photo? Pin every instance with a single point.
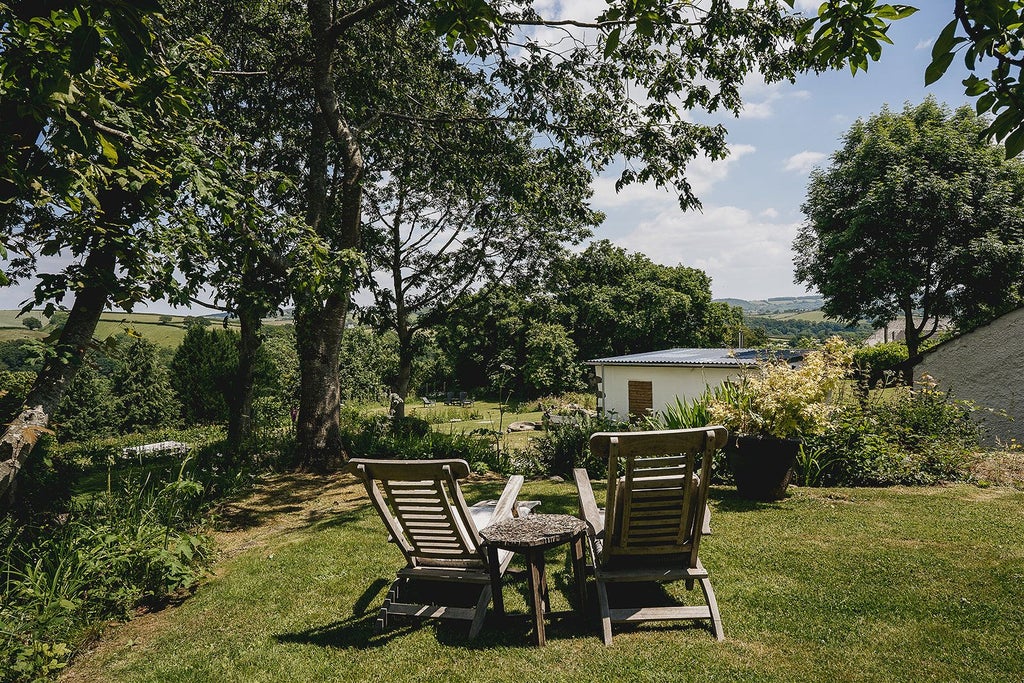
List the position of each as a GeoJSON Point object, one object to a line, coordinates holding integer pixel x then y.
{"type": "Point", "coordinates": [533, 531]}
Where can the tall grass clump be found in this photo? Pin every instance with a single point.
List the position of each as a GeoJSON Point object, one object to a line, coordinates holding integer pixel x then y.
{"type": "Point", "coordinates": [65, 574]}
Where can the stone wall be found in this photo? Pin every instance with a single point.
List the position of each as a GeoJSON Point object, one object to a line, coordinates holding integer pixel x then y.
{"type": "Point", "coordinates": [985, 366]}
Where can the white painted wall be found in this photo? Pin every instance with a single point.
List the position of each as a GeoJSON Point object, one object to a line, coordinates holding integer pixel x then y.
{"type": "Point", "coordinates": [985, 366]}
{"type": "Point", "coordinates": [667, 382]}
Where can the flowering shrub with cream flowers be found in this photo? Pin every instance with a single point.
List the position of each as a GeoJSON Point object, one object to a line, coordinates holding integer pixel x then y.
{"type": "Point", "coordinates": [776, 400]}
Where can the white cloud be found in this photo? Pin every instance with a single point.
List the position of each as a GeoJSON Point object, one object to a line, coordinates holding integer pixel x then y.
{"type": "Point", "coordinates": [759, 98]}
{"type": "Point", "coordinates": [769, 213]}
{"type": "Point", "coordinates": [925, 44]}
{"type": "Point", "coordinates": [810, 6]}
{"type": "Point", "coordinates": [746, 256]}
{"type": "Point", "coordinates": [803, 162]}
{"type": "Point", "coordinates": [702, 173]}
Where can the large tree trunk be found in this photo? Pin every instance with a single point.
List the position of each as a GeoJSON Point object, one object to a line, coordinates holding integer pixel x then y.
{"type": "Point", "coordinates": [912, 338]}
{"type": "Point", "coordinates": [320, 318]}
{"type": "Point", "coordinates": [249, 342]}
{"type": "Point", "coordinates": [318, 331]}
{"type": "Point", "coordinates": [58, 371]}
{"type": "Point", "coordinates": [404, 377]}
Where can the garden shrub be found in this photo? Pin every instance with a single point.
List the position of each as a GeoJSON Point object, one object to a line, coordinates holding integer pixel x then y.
{"type": "Point", "coordinates": [587, 400]}
{"type": "Point", "coordinates": [412, 438]}
{"type": "Point", "coordinates": [565, 446]}
{"type": "Point", "coordinates": [874, 364]}
{"type": "Point", "coordinates": [97, 561]}
{"type": "Point", "coordinates": [907, 436]}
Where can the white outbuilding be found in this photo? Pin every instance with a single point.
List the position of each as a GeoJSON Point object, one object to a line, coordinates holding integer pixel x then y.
{"type": "Point", "coordinates": [639, 383]}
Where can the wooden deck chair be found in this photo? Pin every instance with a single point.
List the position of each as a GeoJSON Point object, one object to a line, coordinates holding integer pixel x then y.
{"type": "Point", "coordinates": [422, 506]}
{"type": "Point", "coordinates": [655, 515]}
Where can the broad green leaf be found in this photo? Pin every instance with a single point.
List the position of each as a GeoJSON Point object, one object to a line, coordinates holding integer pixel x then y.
{"type": "Point", "coordinates": [85, 43]}
{"type": "Point", "coordinates": [937, 68]}
{"type": "Point", "coordinates": [975, 86]}
{"type": "Point", "coordinates": [985, 102]}
{"type": "Point", "coordinates": [109, 151]}
{"type": "Point", "coordinates": [612, 42]}
{"type": "Point", "coordinates": [944, 43]}
{"type": "Point", "coordinates": [1015, 142]}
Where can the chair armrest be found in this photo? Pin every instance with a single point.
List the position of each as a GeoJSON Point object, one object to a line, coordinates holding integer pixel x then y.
{"type": "Point", "coordinates": [507, 501]}
{"type": "Point", "coordinates": [588, 505]}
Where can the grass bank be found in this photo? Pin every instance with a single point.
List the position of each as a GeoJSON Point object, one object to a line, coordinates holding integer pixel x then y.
{"type": "Point", "coordinates": [900, 584]}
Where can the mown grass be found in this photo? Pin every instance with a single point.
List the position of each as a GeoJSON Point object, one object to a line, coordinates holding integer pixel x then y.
{"type": "Point", "coordinates": [828, 585]}
{"type": "Point", "coordinates": [481, 415]}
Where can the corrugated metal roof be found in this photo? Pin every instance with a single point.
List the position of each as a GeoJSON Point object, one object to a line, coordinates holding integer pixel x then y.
{"type": "Point", "coordinates": [696, 357]}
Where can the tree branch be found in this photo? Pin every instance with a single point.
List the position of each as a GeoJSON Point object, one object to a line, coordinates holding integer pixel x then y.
{"type": "Point", "coordinates": [349, 20]}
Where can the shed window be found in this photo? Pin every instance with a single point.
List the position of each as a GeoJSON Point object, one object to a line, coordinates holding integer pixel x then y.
{"type": "Point", "coordinates": [641, 398]}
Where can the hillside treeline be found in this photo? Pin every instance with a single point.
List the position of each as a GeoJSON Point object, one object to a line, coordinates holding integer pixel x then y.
{"type": "Point", "coordinates": [794, 328]}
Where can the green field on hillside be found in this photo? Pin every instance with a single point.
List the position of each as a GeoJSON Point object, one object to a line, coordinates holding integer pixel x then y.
{"type": "Point", "coordinates": [809, 316]}
{"type": "Point", "coordinates": [147, 325]}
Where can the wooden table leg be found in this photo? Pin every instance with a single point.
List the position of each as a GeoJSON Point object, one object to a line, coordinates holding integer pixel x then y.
{"type": "Point", "coordinates": [499, 599]}
{"type": "Point", "coordinates": [579, 570]}
{"type": "Point", "coordinates": [535, 558]}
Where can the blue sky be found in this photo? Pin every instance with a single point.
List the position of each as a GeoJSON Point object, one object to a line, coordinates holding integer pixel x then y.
{"type": "Point", "coordinates": [752, 200]}
{"type": "Point", "coordinates": [743, 236]}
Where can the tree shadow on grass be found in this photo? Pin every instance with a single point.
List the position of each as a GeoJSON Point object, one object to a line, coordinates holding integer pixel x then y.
{"type": "Point", "coordinates": [296, 500]}
{"type": "Point", "coordinates": [728, 500]}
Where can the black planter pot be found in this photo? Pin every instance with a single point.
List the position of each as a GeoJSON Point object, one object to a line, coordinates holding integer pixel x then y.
{"type": "Point", "coordinates": [761, 465]}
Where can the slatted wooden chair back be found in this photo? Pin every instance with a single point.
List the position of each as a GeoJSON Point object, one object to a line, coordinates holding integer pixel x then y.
{"type": "Point", "coordinates": [657, 490]}
{"type": "Point", "coordinates": [422, 505]}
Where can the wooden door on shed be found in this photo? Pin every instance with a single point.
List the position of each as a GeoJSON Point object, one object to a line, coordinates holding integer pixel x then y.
{"type": "Point", "coordinates": [641, 398]}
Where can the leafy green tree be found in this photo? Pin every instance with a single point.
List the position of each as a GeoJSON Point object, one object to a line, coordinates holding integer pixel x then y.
{"type": "Point", "coordinates": [31, 322]}
{"type": "Point", "coordinates": [58, 319]}
{"type": "Point", "coordinates": [14, 387]}
{"type": "Point", "coordinates": [96, 142]}
{"type": "Point", "coordinates": [280, 381]}
{"type": "Point", "coordinates": [203, 372]}
{"type": "Point", "coordinates": [552, 364]}
{"type": "Point", "coordinates": [142, 390]}
{"type": "Point", "coordinates": [916, 216]}
{"type": "Point", "coordinates": [617, 303]}
{"type": "Point", "coordinates": [451, 207]}
{"type": "Point", "coordinates": [368, 363]}
{"type": "Point", "coordinates": [88, 408]}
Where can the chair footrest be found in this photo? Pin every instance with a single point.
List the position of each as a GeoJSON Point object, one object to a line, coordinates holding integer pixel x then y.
{"type": "Point", "coordinates": [430, 611]}
{"type": "Point", "coordinates": [660, 613]}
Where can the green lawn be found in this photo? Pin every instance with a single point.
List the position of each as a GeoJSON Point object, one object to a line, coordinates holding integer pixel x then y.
{"type": "Point", "coordinates": [481, 415]}
{"type": "Point", "coordinates": [923, 584]}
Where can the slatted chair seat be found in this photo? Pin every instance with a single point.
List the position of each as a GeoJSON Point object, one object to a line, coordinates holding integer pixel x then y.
{"type": "Point", "coordinates": [655, 515]}
{"type": "Point", "coordinates": [422, 506]}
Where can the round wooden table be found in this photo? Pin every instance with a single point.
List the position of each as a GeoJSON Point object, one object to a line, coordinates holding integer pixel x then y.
{"type": "Point", "coordinates": [532, 535]}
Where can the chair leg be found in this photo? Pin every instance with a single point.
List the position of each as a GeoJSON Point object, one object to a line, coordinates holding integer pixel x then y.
{"type": "Point", "coordinates": [606, 616]}
{"type": "Point", "coordinates": [382, 615]}
{"type": "Point", "coordinates": [716, 618]}
{"type": "Point", "coordinates": [481, 612]}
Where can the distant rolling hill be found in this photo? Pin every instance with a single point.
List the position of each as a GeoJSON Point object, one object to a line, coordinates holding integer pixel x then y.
{"type": "Point", "coordinates": [779, 304]}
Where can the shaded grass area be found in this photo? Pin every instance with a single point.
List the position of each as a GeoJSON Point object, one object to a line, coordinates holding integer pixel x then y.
{"type": "Point", "coordinates": [830, 584]}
